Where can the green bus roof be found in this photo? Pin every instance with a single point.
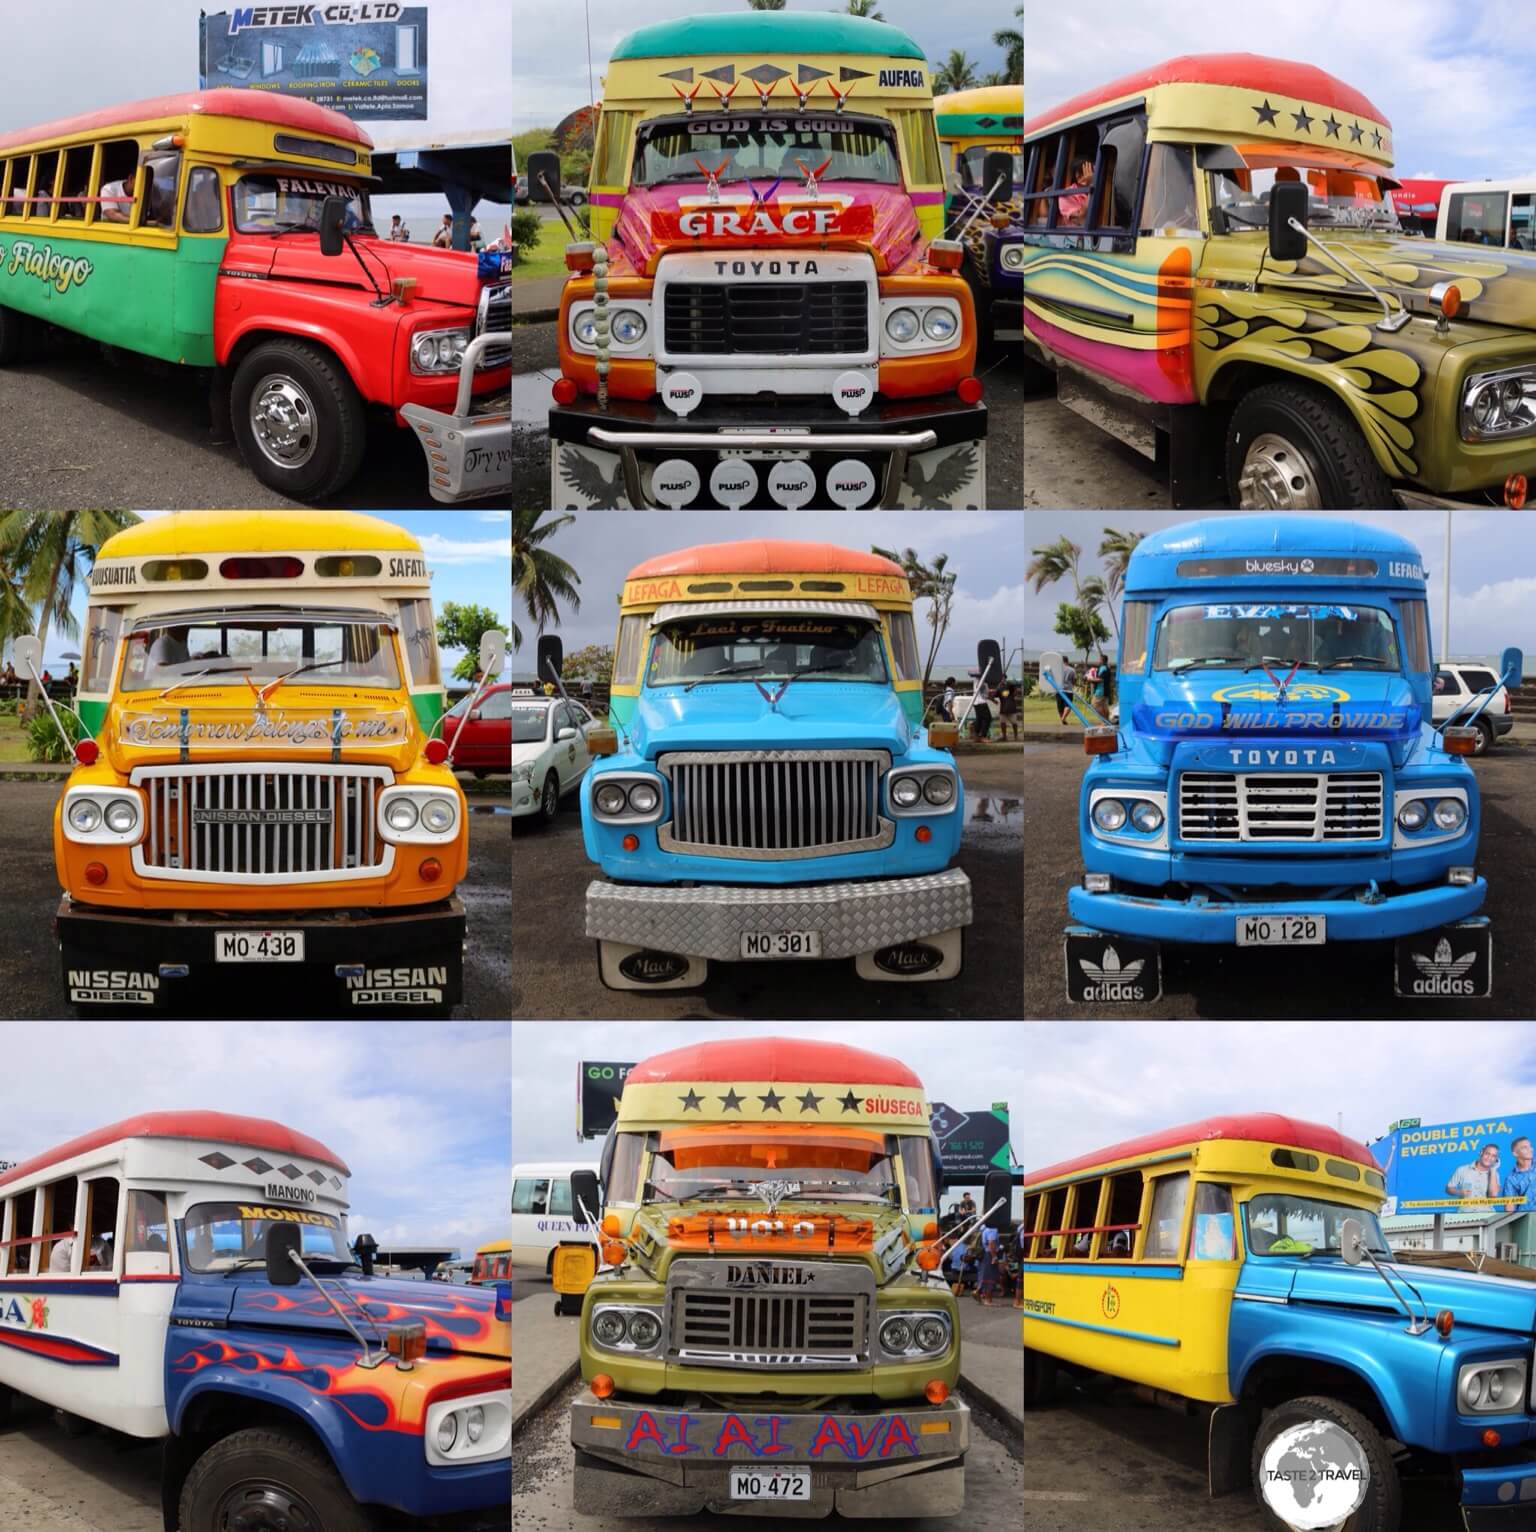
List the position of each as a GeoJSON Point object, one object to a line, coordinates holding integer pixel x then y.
{"type": "Point", "coordinates": [767, 32]}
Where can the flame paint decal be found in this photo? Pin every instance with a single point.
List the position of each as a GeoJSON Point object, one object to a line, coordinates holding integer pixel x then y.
{"type": "Point", "coordinates": [453, 1323]}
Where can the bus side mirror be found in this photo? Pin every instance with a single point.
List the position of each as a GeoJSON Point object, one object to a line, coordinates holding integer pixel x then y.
{"type": "Point", "coordinates": [1511, 667]}
{"type": "Point", "coordinates": [998, 1187]}
{"type": "Point", "coordinates": [997, 176]}
{"type": "Point", "coordinates": [551, 657]}
{"type": "Point", "coordinates": [1287, 201]}
{"type": "Point", "coordinates": [283, 1241]}
{"type": "Point", "coordinates": [584, 1192]}
{"type": "Point", "coordinates": [29, 654]}
{"type": "Point", "coordinates": [1051, 667]}
{"type": "Point", "coordinates": [493, 652]}
{"type": "Point", "coordinates": [333, 213]}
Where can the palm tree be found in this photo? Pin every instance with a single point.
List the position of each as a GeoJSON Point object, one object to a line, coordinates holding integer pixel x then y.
{"type": "Point", "coordinates": [957, 72]}
{"type": "Point", "coordinates": [541, 579]}
{"type": "Point", "coordinates": [1011, 41]}
{"type": "Point", "coordinates": [50, 551]}
{"type": "Point", "coordinates": [1116, 547]}
{"type": "Point", "coordinates": [864, 8]}
{"type": "Point", "coordinates": [930, 583]}
{"type": "Point", "coordinates": [766, 5]}
{"type": "Point", "coordinates": [1055, 562]}
{"type": "Point", "coordinates": [15, 614]}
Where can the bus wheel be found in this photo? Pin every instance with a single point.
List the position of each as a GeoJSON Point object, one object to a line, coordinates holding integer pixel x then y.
{"type": "Point", "coordinates": [262, 1478]}
{"type": "Point", "coordinates": [1382, 1508]}
{"type": "Point", "coordinates": [1295, 448]}
{"type": "Point", "coordinates": [1039, 1378]}
{"type": "Point", "coordinates": [298, 419]}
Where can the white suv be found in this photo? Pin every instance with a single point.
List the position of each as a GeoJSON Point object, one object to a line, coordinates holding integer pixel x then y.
{"type": "Point", "coordinates": [1455, 686]}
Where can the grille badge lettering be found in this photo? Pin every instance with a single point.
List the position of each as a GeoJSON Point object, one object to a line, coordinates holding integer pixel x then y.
{"type": "Point", "coordinates": [261, 816]}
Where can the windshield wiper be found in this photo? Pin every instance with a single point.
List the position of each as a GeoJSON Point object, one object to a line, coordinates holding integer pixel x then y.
{"type": "Point", "coordinates": [1355, 659]}
{"type": "Point", "coordinates": [1203, 659]}
{"type": "Point", "coordinates": [214, 670]}
{"type": "Point", "coordinates": [1275, 659]}
{"type": "Point", "coordinates": [300, 670]}
{"type": "Point", "coordinates": [725, 670]}
{"type": "Point", "coordinates": [250, 1260]}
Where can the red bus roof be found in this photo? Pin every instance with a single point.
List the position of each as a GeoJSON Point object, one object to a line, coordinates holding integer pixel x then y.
{"type": "Point", "coordinates": [221, 1127]}
{"type": "Point", "coordinates": [765, 556]}
{"type": "Point", "coordinates": [254, 105]}
{"type": "Point", "coordinates": [1252, 71]}
{"type": "Point", "coordinates": [1257, 1127]}
{"type": "Point", "coordinates": [772, 1058]}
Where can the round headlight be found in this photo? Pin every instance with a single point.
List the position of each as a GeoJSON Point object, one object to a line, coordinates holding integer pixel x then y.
{"type": "Point", "coordinates": [1472, 1389]}
{"type": "Point", "coordinates": [931, 1334]}
{"type": "Point", "coordinates": [450, 348]}
{"type": "Point", "coordinates": [474, 1422]}
{"type": "Point", "coordinates": [939, 324]}
{"type": "Point", "coordinates": [438, 815]}
{"type": "Point", "coordinates": [447, 1433]}
{"type": "Point", "coordinates": [644, 1330]}
{"type": "Point", "coordinates": [610, 799]}
{"type": "Point", "coordinates": [424, 350]}
{"type": "Point", "coordinates": [1413, 814]}
{"type": "Point", "coordinates": [122, 816]}
{"type": "Point", "coordinates": [402, 814]}
{"type": "Point", "coordinates": [939, 788]}
{"type": "Point", "coordinates": [1485, 406]}
{"type": "Point", "coordinates": [896, 1335]}
{"type": "Point", "coordinates": [628, 327]}
{"type": "Point", "coordinates": [585, 327]}
{"type": "Point", "coordinates": [901, 325]}
{"type": "Point", "coordinates": [1511, 392]}
{"type": "Point", "coordinates": [643, 797]}
{"type": "Point", "coordinates": [905, 791]}
{"type": "Point", "coordinates": [1109, 814]}
{"type": "Point", "coordinates": [85, 815]}
{"type": "Point", "coordinates": [609, 1327]}
{"type": "Point", "coordinates": [1450, 814]}
{"type": "Point", "coordinates": [1147, 817]}
{"type": "Point", "coordinates": [1012, 258]}
{"type": "Point", "coordinates": [1495, 1387]}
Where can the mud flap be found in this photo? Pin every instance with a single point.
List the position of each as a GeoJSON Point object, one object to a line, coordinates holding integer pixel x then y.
{"type": "Point", "coordinates": [621, 966]}
{"type": "Point", "coordinates": [1230, 1444]}
{"type": "Point", "coordinates": [1111, 969]}
{"type": "Point", "coordinates": [1453, 962]}
{"type": "Point", "coordinates": [916, 962]}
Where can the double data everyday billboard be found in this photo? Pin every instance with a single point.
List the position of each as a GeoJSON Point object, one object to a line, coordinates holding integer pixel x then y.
{"type": "Point", "coordinates": [1477, 1165]}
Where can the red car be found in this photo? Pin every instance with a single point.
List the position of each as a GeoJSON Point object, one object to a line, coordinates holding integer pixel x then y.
{"type": "Point", "coordinates": [486, 745]}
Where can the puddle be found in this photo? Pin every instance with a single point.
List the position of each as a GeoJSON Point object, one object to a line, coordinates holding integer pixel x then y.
{"type": "Point", "coordinates": [531, 399]}
{"type": "Point", "coordinates": [490, 808]}
{"type": "Point", "coordinates": [989, 810]}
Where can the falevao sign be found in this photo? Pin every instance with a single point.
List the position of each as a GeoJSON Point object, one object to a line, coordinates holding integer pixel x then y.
{"type": "Point", "coordinates": [1475, 1165]}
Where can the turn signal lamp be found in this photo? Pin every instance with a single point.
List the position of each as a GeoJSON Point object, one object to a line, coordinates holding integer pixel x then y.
{"type": "Point", "coordinates": [946, 254]}
{"type": "Point", "coordinates": [86, 752]}
{"type": "Point", "coordinates": [1515, 487]}
{"type": "Point", "coordinates": [95, 873]}
{"type": "Point", "coordinates": [923, 835]}
{"type": "Point", "coordinates": [602, 1385]}
{"type": "Point", "coordinates": [407, 1342]}
{"type": "Point", "coordinates": [936, 1391]}
{"type": "Point", "coordinates": [943, 736]}
{"type": "Point", "coordinates": [610, 1225]}
{"type": "Point", "coordinates": [928, 1257]}
{"type": "Point", "coordinates": [1450, 301]}
{"type": "Point", "coordinates": [1491, 1438]}
{"type": "Point", "coordinates": [602, 741]}
{"type": "Point", "coordinates": [436, 751]}
{"type": "Point", "coordinates": [1459, 741]}
{"type": "Point", "coordinates": [401, 288]}
{"type": "Point", "coordinates": [1445, 1322]}
{"type": "Point", "coordinates": [431, 870]}
{"type": "Point", "coordinates": [262, 569]}
{"type": "Point", "coordinates": [631, 842]}
{"type": "Point", "coordinates": [613, 1252]}
{"type": "Point", "coordinates": [969, 390]}
{"type": "Point", "coordinates": [564, 391]}
{"type": "Point", "coordinates": [1100, 741]}
{"type": "Point", "coordinates": [579, 257]}
{"type": "Point", "coordinates": [930, 1230]}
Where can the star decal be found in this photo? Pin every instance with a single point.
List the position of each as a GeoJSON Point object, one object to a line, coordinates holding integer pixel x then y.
{"type": "Point", "coordinates": [692, 1101]}
{"type": "Point", "coordinates": [1303, 122]}
{"type": "Point", "coordinates": [1356, 133]}
{"type": "Point", "coordinates": [771, 1101]}
{"type": "Point", "coordinates": [810, 1102]}
{"type": "Point", "coordinates": [849, 1103]}
{"type": "Point", "coordinates": [1266, 112]}
{"type": "Point", "coordinates": [1377, 136]}
{"type": "Point", "coordinates": [1333, 125]}
{"type": "Point", "coordinates": [731, 1101]}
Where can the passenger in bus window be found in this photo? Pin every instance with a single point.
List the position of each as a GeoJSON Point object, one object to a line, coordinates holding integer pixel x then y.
{"type": "Point", "coordinates": [117, 200]}
{"type": "Point", "coordinates": [63, 1255]}
{"type": "Point", "coordinates": [1074, 205]}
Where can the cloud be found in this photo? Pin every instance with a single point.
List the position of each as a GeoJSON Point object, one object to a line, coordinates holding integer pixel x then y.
{"type": "Point", "coordinates": [498, 516]}
{"type": "Point", "coordinates": [459, 550]}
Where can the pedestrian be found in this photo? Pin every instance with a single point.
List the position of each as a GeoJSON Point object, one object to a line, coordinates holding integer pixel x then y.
{"type": "Point", "coordinates": [1066, 684]}
{"type": "Point", "coordinates": [983, 711]}
{"type": "Point", "coordinates": [443, 239]}
{"type": "Point", "coordinates": [947, 704]}
{"type": "Point", "coordinates": [9, 678]}
{"type": "Point", "coordinates": [74, 674]}
{"type": "Point", "coordinates": [954, 1265]}
{"type": "Point", "coordinates": [967, 1207]}
{"type": "Point", "coordinates": [586, 692]}
{"type": "Point", "coordinates": [1099, 676]}
{"type": "Point", "coordinates": [1008, 711]}
{"type": "Point", "coordinates": [986, 1280]}
{"type": "Point", "coordinates": [47, 679]}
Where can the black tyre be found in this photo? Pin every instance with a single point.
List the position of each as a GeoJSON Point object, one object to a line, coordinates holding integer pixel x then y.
{"type": "Point", "coordinates": [298, 419]}
{"type": "Point", "coordinates": [1485, 737]}
{"type": "Point", "coordinates": [263, 1478]}
{"type": "Point", "coordinates": [1383, 1506]}
{"type": "Point", "coordinates": [1292, 447]}
{"type": "Point", "coordinates": [549, 800]}
{"type": "Point", "coordinates": [1040, 1379]}
{"type": "Point", "coordinates": [14, 336]}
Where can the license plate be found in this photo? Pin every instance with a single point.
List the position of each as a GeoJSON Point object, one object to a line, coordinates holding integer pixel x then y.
{"type": "Point", "coordinates": [781, 944]}
{"type": "Point", "coordinates": [752, 1484]}
{"type": "Point", "coordinates": [1281, 930]}
{"type": "Point", "coordinates": [258, 946]}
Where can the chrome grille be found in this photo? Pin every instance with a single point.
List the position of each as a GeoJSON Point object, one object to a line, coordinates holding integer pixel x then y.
{"type": "Point", "coordinates": [768, 318]}
{"type": "Point", "coordinates": [280, 825]}
{"type": "Point", "coordinates": [775, 804]}
{"type": "Point", "coordinates": [1280, 806]}
{"type": "Point", "coordinates": [494, 313]}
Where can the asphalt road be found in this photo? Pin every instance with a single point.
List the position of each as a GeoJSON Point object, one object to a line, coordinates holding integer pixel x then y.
{"type": "Point", "coordinates": [30, 981]}
{"type": "Point", "coordinates": [1345, 979]}
{"type": "Point", "coordinates": [77, 430]}
{"type": "Point", "coordinates": [536, 365]}
{"type": "Point", "coordinates": [555, 965]}
{"type": "Point", "coordinates": [541, 1485]}
{"type": "Point", "coordinates": [1101, 1459]}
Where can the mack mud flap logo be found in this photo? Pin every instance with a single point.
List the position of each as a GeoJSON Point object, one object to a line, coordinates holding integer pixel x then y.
{"type": "Point", "coordinates": [60, 272]}
{"type": "Point", "coordinates": [397, 986]}
{"type": "Point", "coordinates": [909, 958]}
{"type": "Point", "coordinates": [1454, 962]}
{"type": "Point", "coordinates": [646, 967]}
{"type": "Point", "coordinates": [1117, 970]}
{"type": "Point", "coordinates": [111, 986]}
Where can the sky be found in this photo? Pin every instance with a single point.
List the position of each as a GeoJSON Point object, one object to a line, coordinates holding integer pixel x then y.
{"type": "Point", "coordinates": [1444, 73]}
{"type": "Point", "coordinates": [986, 552]}
{"type": "Point", "coordinates": [967, 1064]}
{"type": "Point", "coordinates": [1493, 572]}
{"type": "Point", "coordinates": [550, 74]}
{"type": "Point", "coordinates": [469, 553]}
{"type": "Point", "coordinates": [1092, 1084]}
{"type": "Point", "coordinates": [420, 1110]}
{"type": "Point", "coordinates": [107, 52]}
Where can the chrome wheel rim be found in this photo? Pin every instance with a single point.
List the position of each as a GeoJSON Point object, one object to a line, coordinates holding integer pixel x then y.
{"type": "Point", "coordinates": [1278, 476]}
{"type": "Point", "coordinates": [551, 800]}
{"type": "Point", "coordinates": [283, 421]}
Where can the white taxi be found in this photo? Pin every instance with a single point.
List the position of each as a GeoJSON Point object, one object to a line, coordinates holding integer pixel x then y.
{"type": "Point", "coordinates": [549, 751]}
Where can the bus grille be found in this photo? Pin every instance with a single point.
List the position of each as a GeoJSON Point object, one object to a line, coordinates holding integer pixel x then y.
{"type": "Point", "coordinates": [774, 318]}
{"type": "Point", "coordinates": [494, 316]}
{"type": "Point", "coordinates": [775, 804]}
{"type": "Point", "coordinates": [1282, 806]}
{"type": "Point", "coordinates": [282, 825]}
{"type": "Point", "coordinates": [828, 1327]}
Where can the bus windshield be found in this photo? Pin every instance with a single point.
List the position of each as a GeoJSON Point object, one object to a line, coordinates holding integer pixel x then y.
{"type": "Point", "coordinates": [1287, 1225]}
{"type": "Point", "coordinates": [831, 1164]}
{"type": "Point", "coordinates": [751, 146]}
{"type": "Point", "coordinates": [1337, 197]}
{"type": "Point", "coordinates": [1241, 635]}
{"type": "Point", "coordinates": [222, 1236]}
{"type": "Point", "coordinates": [749, 648]}
{"type": "Point", "coordinates": [275, 204]}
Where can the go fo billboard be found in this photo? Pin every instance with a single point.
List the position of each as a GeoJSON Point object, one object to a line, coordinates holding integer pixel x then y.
{"type": "Point", "coordinates": [1477, 1165]}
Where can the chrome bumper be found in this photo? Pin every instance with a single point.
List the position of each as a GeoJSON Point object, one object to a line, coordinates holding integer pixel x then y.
{"type": "Point", "coordinates": [469, 451]}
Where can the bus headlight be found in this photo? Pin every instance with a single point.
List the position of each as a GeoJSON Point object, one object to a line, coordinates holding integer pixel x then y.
{"type": "Point", "coordinates": [896, 1334]}
{"type": "Point", "coordinates": [402, 815]}
{"type": "Point", "coordinates": [1012, 258]}
{"type": "Point", "coordinates": [418, 816]}
{"type": "Point", "coordinates": [438, 351]}
{"type": "Point", "coordinates": [1450, 814]}
{"type": "Point", "coordinates": [85, 815]}
{"type": "Point", "coordinates": [584, 327]}
{"type": "Point", "coordinates": [1495, 405]}
{"type": "Point", "coordinates": [609, 1328]}
{"type": "Point", "coordinates": [939, 788]}
{"type": "Point", "coordinates": [902, 326]}
{"type": "Point", "coordinates": [609, 798]}
{"type": "Point", "coordinates": [1491, 1388]}
{"type": "Point", "coordinates": [644, 1330]}
{"type": "Point", "coordinates": [1413, 814]}
{"type": "Point", "coordinates": [1109, 814]}
{"type": "Point", "coordinates": [473, 1429]}
{"type": "Point", "coordinates": [628, 327]}
{"type": "Point", "coordinates": [905, 791]}
{"type": "Point", "coordinates": [939, 324]}
{"type": "Point", "coordinates": [1147, 817]}
{"type": "Point", "coordinates": [122, 816]}
{"type": "Point", "coordinates": [931, 1334]}
{"type": "Point", "coordinates": [439, 814]}
{"type": "Point", "coordinates": [103, 816]}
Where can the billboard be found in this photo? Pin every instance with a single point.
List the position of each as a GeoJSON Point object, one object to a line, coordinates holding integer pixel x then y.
{"type": "Point", "coordinates": [598, 1088]}
{"type": "Point", "coordinates": [1475, 1165]}
{"type": "Point", "coordinates": [970, 1143]}
{"type": "Point", "coordinates": [366, 60]}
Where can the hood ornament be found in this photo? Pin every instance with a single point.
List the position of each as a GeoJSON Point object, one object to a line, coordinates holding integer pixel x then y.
{"type": "Point", "coordinates": [772, 1193]}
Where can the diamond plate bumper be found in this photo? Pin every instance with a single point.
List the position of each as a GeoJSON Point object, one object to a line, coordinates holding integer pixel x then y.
{"type": "Point", "coordinates": [707, 920]}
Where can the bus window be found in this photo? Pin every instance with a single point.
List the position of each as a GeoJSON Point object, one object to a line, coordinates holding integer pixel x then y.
{"type": "Point", "coordinates": [530, 1194]}
{"type": "Point", "coordinates": [1055, 1221]}
{"type": "Point", "coordinates": [59, 1232]}
{"type": "Point", "coordinates": [1476, 218]}
{"type": "Point", "coordinates": [1211, 1235]}
{"type": "Point", "coordinates": [1031, 1218]}
{"type": "Point", "coordinates": [626, 662]}
{"type": "Point", "coordinates": [42, 184]}
{"type": "Point", "coordinates": [19, 1247]}
{"type": "Point", "coordinates": [1124, 1208]}
{"type": "Point", "coordinates": [148, 1229]}
{"type": "Point", "coordinates": [1522, 234]}
{"type": "Point", "coordinates": [904, 645]}
{"type": "Point", "coordinates": [1169, 1194]}
{"type": "Point", "coordinates": [612, 150]}
{"type": "Point", "coordinates": [560, 1197]}
{"type": "Point", "coordinates": [119, 166]}
{"type": "Point", "coordinates": [203, 210]}
{"type": "Point", "coordinates": [160, 203]}
{"type": "Point", "coordinates": [77, 182]}
{"type": "Point", "coordinates": [101, 1197]}
{"type": "Point", "coordinates": [419, 638]}
{"type": "Point", "coordinates": [1084, 1219]}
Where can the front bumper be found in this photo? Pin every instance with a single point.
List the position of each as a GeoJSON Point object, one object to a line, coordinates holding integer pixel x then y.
{"type": "Point", "coordinates": [1499, 1499]}
{"type": "Point", "coordinates": [707, 920]}
{"type": "Point", "coordinates": [1200, 918]}
{"type": "Point", "coordinates": [356, 962]}
{"type": "Point", "coordinates": [468, 448]}
{"type": "Point", "coordinates": [660, 1461]}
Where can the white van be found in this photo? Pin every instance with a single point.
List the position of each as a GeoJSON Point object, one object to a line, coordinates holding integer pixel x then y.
{"type": "Point", "coordinates": [1501, 213]}
{"type": "Point", "coordinates": [544, 1214]}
